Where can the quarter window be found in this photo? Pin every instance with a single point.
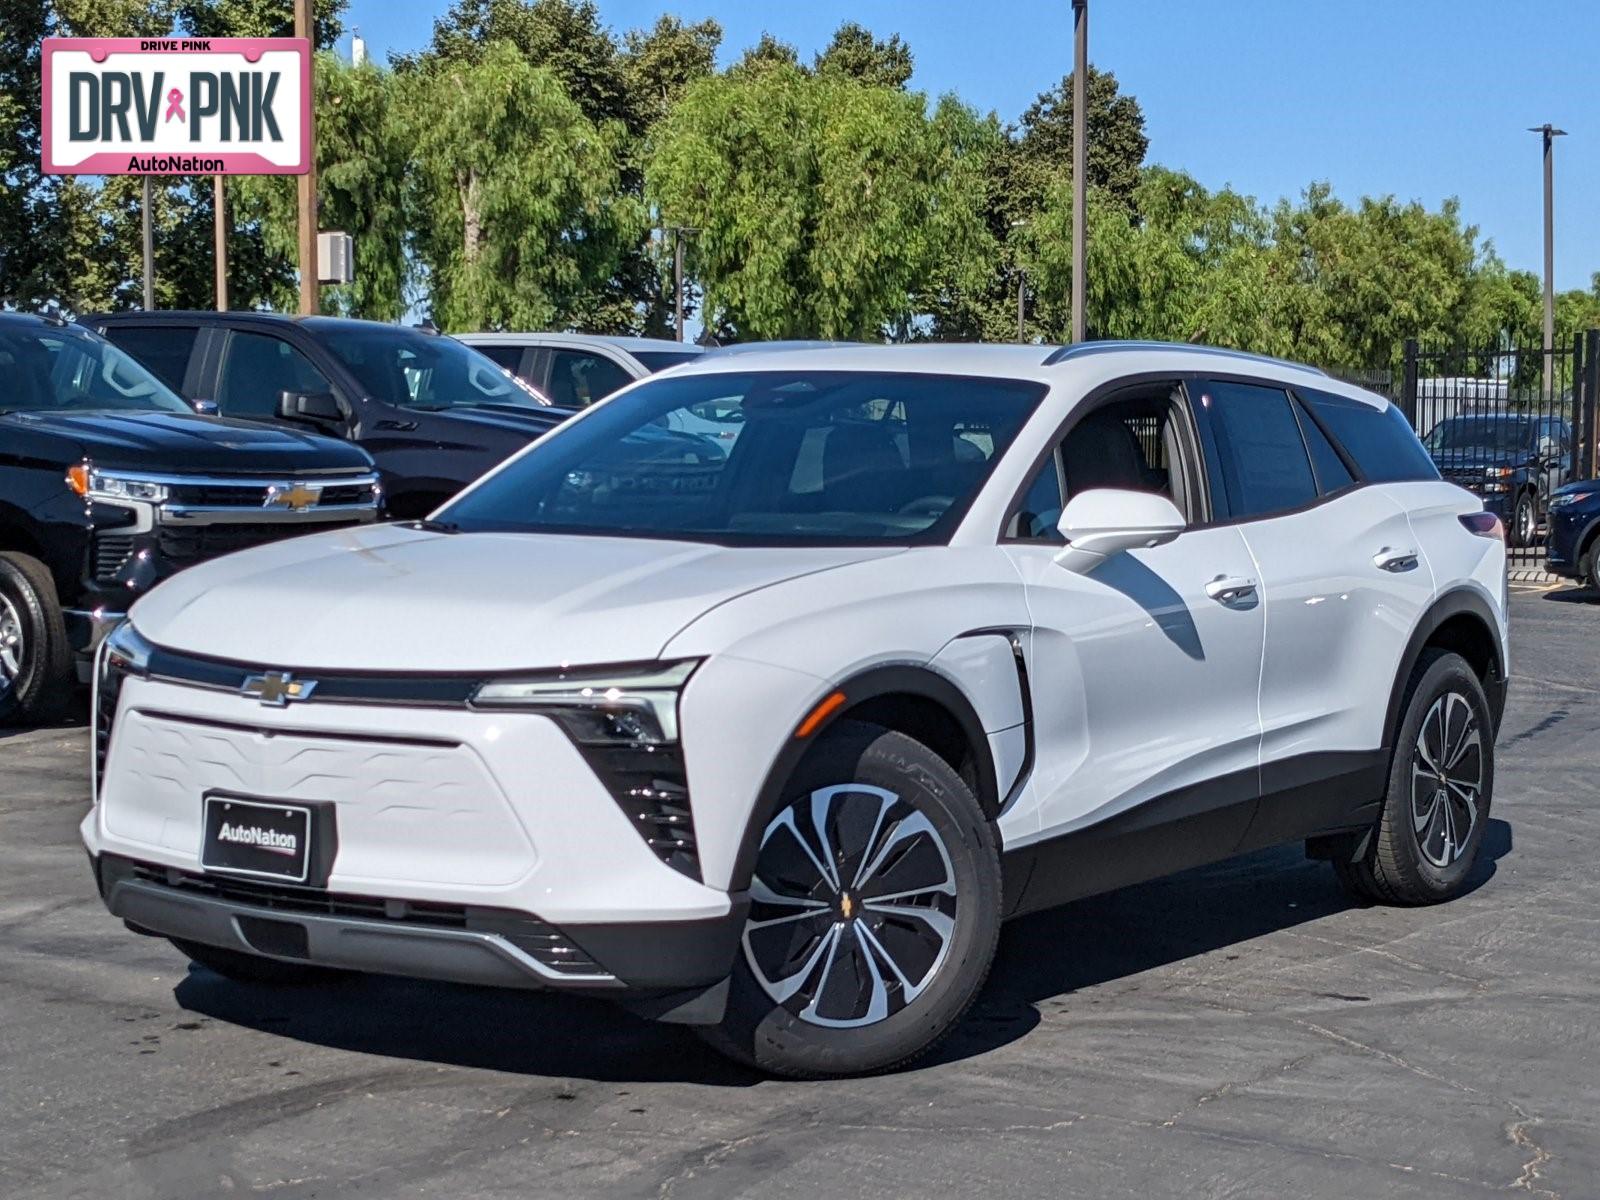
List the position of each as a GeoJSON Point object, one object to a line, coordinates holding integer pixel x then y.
{"type": "Point", "coordinates": [1260, 453]}
{"type": "Point", "coordinates": [1380, 440]}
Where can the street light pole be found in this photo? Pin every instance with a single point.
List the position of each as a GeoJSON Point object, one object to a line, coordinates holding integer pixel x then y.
{"type": "Point", "coordinates": [1080, 162]}
{"type": "Point", "coordinates": [304, 28]}
{"type": "Point", "coordinates": [148, 244]}
{"type": "Point", "coordinates": [1022, 294]}
{"type": "Point", "coordinates": [1549, 133]}
{"type": "Point", "coordinates": [677, 232]}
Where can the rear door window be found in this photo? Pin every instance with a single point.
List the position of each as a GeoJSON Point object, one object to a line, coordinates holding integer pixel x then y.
{"type": "Point", "coordinates": [1259, 453]}
{"type": "Point", "coordinates": [163, 349]}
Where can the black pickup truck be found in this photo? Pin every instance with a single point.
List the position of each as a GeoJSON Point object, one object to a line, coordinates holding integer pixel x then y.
{"type": "Point", "coordinates": [433, 413]}
{"type": "Point", "coordinates": [109, 483]}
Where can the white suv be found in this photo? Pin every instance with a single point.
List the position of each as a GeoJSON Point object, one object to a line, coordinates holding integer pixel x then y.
{"type": "Point", "coordinates": [769, 734]}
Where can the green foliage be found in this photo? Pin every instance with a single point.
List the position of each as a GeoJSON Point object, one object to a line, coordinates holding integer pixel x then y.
{"type": "Point", "coordinates": [516, 206]}
{"type": "Point", "coordinates": [822, 203]}
{"type": "Point", "coordinates": [856, 53]}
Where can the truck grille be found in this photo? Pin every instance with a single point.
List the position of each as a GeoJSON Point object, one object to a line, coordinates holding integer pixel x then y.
{"type": "Point", "coordinates": [245, 494]}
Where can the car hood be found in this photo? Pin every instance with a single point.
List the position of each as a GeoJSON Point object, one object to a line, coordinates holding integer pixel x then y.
{"type": "Point", "coordinates": [397, 598]}
{"type": "Point", "coordinates": [160, 441]}
{"type": "Point", "coordinates": [526, 424]}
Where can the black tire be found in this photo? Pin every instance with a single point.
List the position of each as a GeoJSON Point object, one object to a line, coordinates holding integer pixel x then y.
{"type": "Point", "coordinates": [1404, 861]}
{"type": "Point", "coordinates": [40, 685]}
{"type": "Point", "coordinates": [942, 964]}
{"type": "Point", "coordinates": [252, 968]}
{"type": "Point", "coordinates": [1591, 575]}
{"type": "Point", "coordinates": [1524, 521]}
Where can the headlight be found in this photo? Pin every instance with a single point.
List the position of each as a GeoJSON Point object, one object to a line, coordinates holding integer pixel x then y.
{"type": "Point", "coordinates": [1499, 472]}
{"type": "Point", "coordinates": [1567, 498]}
{"type": "Point", "coordinates": [108, 485]}
{"type": "Point", "coordinates": [601, 705]}
{"type": "Point", "coordinates": [126, 651]}
{"type": "Point", "coordinates": [123, 653]}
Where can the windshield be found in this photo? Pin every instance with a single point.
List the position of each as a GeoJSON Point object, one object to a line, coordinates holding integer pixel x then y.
{"type": "Point", "coordinates": [763, 458]}
{"type": "Point", "coordinates": [1494, 433]}
{"type": "Point", "coordinates": [660, 360]}
{"type": "Point", "coordinates": [426, 371]}
{"type": "Point", "coordinates": [67, 370]}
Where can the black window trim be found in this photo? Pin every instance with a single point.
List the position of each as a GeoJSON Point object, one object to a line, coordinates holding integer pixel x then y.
{"type": "Point", "coordinates": [1199, 483]}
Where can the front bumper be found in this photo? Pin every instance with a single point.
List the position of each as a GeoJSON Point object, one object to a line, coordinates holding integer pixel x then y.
{"type": "Point", "coordinates": [461, 943]}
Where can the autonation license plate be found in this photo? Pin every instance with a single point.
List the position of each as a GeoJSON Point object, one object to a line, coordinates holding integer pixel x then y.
{"type": "Point", "coordinates": [249, 837]}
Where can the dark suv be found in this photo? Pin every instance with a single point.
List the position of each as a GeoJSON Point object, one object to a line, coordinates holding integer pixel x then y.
{"type": "Point", "coordinates": [1514, 461]}
{"type": "Point", "coordinates": [434, 414]}
{"type": "Point", "coordinates": [109, 483]}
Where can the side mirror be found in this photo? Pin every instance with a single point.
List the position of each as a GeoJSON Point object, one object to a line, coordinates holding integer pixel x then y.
{"type": "Point", "coordinates": [1106, 521]}
{"type": "Point", "coordinates": [309, 406]}
{"type": "Point", "coordinates": [206, 408]}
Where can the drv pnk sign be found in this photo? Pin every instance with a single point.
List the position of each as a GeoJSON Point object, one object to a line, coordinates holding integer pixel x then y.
{"type": "Point", "coordinates": [177, 106]}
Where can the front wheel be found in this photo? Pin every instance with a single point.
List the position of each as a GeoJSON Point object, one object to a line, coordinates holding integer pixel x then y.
{"type": "Point", "coordinates": [1441, 781]}
{"type": "Point", "coordinates": [1524, 521]}
{"type": "Point", "coordinates": [35, 659]}
{"type": "Point", "coordinates": [875, 912]}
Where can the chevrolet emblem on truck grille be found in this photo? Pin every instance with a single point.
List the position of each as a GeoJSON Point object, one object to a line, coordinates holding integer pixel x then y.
{"type": "Point", "coordinates": [296, 497]}
{"type": "Point", "coordinates": [278, 688]}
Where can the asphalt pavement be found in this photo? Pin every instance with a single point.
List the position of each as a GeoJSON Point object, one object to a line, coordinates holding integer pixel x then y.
{"type": "Point", "coordinates": [1238, 1031]}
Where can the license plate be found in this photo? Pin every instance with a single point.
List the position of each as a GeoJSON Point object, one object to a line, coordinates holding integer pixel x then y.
{"type": "Point", "coordinates": [252, 837]}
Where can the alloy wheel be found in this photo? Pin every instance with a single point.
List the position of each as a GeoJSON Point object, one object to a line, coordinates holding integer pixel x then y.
{"type": "Point", "coordinates": [853, 906]}
{"type": "Point", "coordinates": [11, 645]}
{"type": "Point", "coordinates": [1446, 779]}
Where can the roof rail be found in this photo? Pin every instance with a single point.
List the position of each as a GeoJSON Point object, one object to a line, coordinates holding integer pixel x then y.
{"type": "Point", "coordinates": [1063, 354]}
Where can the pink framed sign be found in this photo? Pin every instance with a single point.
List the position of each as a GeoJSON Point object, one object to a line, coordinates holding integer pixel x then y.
{"type": "Point", "coordinates": [177, 106]}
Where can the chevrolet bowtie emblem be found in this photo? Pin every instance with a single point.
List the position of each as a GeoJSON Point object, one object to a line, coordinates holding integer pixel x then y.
{"type": "Point", "coordinates": [278, 688]}
{"type": "Point", "coordinates": [296, 498]}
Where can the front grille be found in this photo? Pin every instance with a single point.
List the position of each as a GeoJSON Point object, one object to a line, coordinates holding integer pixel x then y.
{"type": "Point", "coordinates": [245, 494]}
{"type": "Point", "coordinates": [195, 543]}
{"type": "Point", "coordinates": [111, 552]}
{"type": "Point", "coordinates": [649, 784]}
{"type": "Point", "coordinates": [541, 942]}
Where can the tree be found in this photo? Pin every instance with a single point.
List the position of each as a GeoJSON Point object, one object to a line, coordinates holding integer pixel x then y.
{"type": "Point", "coordinates": [1116, 148]}
{"type": "Point", "coordinates": [658, 65]}
{"type": "Point", "coordinates": [517, 213]}
{"type": "Point", "coordinates": [856, 53]}
{"type": "Point", "coordinates": [767, 53]}
{"type": "Point", "coordinates": [823, 204]}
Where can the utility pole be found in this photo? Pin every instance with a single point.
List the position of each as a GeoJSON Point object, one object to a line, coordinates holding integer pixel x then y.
{"type": "Point", "coordinates": [304, 28]}
{"type": "Point", "coordinates": [219, 217]}
{"type": "Point", "coordinates": [677, 272]}
{"type": "Point", "coordinates": [1080, 162]}
{"type": "Point", "coordinates": [149, 243]}
{"type": "Point", "coordinates": [1550, 133]}
{"type": "Point", "coordinates": [1022, 293]}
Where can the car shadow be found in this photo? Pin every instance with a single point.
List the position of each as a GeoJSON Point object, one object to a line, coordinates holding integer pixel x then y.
{"type": "Point", "coordinates": [1044, 959]}
{"type": "Point", "coordinates": [1574, 595]}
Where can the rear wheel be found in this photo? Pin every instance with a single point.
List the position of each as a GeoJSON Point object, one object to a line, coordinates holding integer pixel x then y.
{"type": "Point", "coordinates": [251, 968]}
{"type": "Point", "coordinates": [1592, 575]}
{"type": "Point", "coordinates": [35, 661]}
{"type": "Point", "coordinates": [1441, 781]}
{"type": "Point", "coordinates": [876, 908]}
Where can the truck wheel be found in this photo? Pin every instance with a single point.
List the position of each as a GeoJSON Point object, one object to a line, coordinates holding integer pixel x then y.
{"type": "Point", "coordinates": [36, 679]}
{"type": "Point", "coordinates": [1441, 780]}
{"type": "Point", "coordinates": [1524, 521]}
{"type": "Point", "coordinates": [875, 914]}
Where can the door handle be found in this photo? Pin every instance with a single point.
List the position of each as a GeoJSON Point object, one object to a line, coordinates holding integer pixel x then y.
{"type": "Point", "coordinates": [1395, 560]}
{"type": "Point", "coordinates": [1231, 589]}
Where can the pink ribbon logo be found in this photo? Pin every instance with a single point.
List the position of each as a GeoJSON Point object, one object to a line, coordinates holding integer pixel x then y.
{"type": "Point", "coordinates": [175, 105]}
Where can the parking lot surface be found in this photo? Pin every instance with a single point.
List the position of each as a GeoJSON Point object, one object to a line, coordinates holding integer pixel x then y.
{"type": "Point", "coordinates": [1241, 1030]}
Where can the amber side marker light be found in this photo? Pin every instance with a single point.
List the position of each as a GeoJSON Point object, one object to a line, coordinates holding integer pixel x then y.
{"type": "Point", "coordinates": [78, 479]}
{"type": "Point", "coordinates": [819, 714]}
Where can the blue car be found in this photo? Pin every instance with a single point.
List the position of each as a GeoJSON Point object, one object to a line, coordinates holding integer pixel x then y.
{"type": "Point", "coordinates": [1573, 548]}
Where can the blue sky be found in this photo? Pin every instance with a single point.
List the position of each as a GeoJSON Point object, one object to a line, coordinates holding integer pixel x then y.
{"type": "Point", "coordinates": [1423, 99]}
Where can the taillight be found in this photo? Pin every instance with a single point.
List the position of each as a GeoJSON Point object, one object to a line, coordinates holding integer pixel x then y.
{"type": "Point", "coordinates": [1484, 525]}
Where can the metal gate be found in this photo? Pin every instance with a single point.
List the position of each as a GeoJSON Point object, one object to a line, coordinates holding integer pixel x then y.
{"type": "Point", "coordinates": [1509, 425]}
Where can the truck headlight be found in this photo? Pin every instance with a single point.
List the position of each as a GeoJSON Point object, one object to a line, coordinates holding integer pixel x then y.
{"type": "Point", "coordinates": [1499, 472]}
{"type": "Point", "coordinates": [95, 484]}
{"type": "Point", "coordinates": [600, 705]}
